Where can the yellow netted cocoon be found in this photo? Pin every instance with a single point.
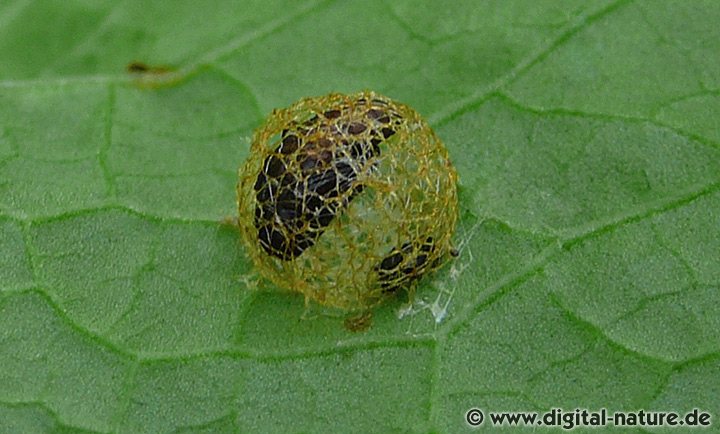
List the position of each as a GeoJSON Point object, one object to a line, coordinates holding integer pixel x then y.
{"type": "Point", "coordinates": [347, 199]}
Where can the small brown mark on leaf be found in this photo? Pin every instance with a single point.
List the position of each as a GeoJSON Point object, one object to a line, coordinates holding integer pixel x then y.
{"type": "Point", "coordinates": [136, 67]}
{"type": "Point", "coordinates": [360, 322]}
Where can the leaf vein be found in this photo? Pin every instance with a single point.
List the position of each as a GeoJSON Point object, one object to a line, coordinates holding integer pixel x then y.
{"type": "Point", "coordinates": [575, 26]}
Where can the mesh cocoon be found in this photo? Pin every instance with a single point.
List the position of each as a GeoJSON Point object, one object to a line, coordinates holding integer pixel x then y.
{"type": "Point", "coordinates": [347, 199]}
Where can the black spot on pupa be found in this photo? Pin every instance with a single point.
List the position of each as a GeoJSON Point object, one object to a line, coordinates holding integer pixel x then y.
{"type": "Point", "coordinates": [403, 266]}
{"type": "Point", "coordinates": [391, 261]}
{"type": "Point", "coordinates": [332, 114]}
{"type": "Point", "coordinates": [260, 181]}
{"type": "Point", "coordinates": [356, 128]}
{"type": "Point", "coordinates": [379, 115]}
{"type": "Point", "coordinates": [274, 167]}
{"type": "Point", "coordinates": [289, 144]}
{"type": "Point", "coordinates": [387, 132]}
{"type": "Point", "coordinates": [322, 182]}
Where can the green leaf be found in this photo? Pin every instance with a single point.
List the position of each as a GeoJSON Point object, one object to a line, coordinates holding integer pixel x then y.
{"type": "Point", "coordinates": [587, 141]}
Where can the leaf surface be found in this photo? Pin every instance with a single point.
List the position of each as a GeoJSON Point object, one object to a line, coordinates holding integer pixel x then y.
{"type": "Point", "coordinates": [586, 139]}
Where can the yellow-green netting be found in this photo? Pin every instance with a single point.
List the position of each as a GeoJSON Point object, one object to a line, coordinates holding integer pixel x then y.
{"type": "Point", "coordinates": [347, 199]}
